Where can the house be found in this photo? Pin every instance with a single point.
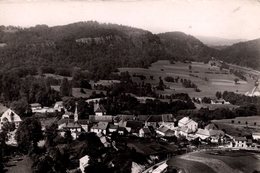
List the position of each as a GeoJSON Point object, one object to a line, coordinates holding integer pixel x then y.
{"type": "Point", "coordinates": [203, 133]}
{"type": "Point", "coordinates": [145, 132]}
{"type": "Point", "coordinates": [256, 136]}
{"type": "Point", "coordinates": [99, 110]}
{"type": "Point", "coordinates": [11, 117]}
{"type": "Point", "coordinates": [209, 133]}
{"type": "Point", "coordinates": [144, 99]}
{"type": "Point", "coordinates": [121, 130]}
{"type": "Point", "coordinates": [83, 163]}
{"type": "Point", "coordinates": [44, 110]}
{"type": "Point", "coordinates": [169, 121]}
{"type": "Point", "coordinates": [59, 106]}
{"type": "Point", "coordinates": [154, 120]}
{"type": "Point", "coordinates": [100, 127]}
{"type": "Point", "coordinates": [239, 142]}
{"type": "Point", "coordinates": [71, 125]}
{"type": "Point", "coordinates": [35, 107]}
{"type": "Point", "coordinates": [219, 102]}
{"type": "Point", "coordinates": [165, 131]}
{"type": "Point", "coordinates": [84, 125]}
{"type": "Point", "coordinates": [112, 128]}
{"type": "Point", "coordinates": [133, 127]}
{"type": "Point", "coordinates": [189, 123]}
{"type": "Point", "coordinates": [183, 131]}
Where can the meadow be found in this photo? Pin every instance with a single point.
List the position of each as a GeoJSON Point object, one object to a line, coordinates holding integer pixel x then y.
{"type": "Point", "coordinates": [239, 125]}
{"type": "Point", "coordinates": [209, 79]}
{"type": "Point", "coordinates": [217, 162]}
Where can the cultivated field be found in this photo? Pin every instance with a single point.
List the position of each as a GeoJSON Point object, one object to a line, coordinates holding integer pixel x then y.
{"type": "Point", "coordinates": [209, 79]}
{"type": "Point", "coordinates": [217, 162]}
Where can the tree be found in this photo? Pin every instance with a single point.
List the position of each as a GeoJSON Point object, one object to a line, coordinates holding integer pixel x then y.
{"type": "Point", "coordinates": [218, 95]}
{"type": "Point", "coordinates": [65, 88]}
{"type": "Point", "coordinates": [236, 80]}
{"type": "Point", "coordinates": [21, 107]}
{"type": "Point", "coordinates": [29, 133]}
{"type": "Point", "coordinates": [51, 133]}
{"type": "Point", "coordinates": [161, 85]}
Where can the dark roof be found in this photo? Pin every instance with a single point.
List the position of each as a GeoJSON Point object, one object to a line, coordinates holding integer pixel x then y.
{"type": "Point", "coordinates": [154, 118]}
{"type": "Point", "coordinates": [83, 122]}
{"type": "Point", "coordinates": [103, 118]}
{"type": "Point", "coordinates": [240, 139]}
{"type": "Point", "coordinates": [134, 124]}
{"type": "Point", "coordinates": [112, 126]}
{"type": "Point", "coordinates": [99, 108]}
{"type": "Point", "coordinates": [62, 121]}
{"type": "Point", "coordinates": [100, 125]}
{"type": "Point", "coordinates": [149, 118]}
{"type": "Point", "coordinates": [168, 118]}
{"type": "Point", "coordinates": [69, 123]}
{"type": "Point", "coordinates": [146, 130]}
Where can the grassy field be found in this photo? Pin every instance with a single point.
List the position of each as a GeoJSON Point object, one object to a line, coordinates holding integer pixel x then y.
{"type": "Point", "coordinates": [76, 92]}
{"type": "Point", "coordinates": [217, 162]}
{"type": "Point", "coordinates": [239, 125]}
{"type": "Point", "coordinates": [218, 80]}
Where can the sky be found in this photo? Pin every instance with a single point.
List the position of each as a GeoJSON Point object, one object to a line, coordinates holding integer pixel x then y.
{"type": "Point", "coordinates": [231, 19]}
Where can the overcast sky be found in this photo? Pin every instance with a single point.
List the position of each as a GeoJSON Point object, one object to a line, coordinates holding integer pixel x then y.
{"type": "Point", "coordinates": [236, 19]}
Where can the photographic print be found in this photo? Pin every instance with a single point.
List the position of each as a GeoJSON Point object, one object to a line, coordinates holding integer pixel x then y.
{"type": "Point", "coordinates": [129, 86]}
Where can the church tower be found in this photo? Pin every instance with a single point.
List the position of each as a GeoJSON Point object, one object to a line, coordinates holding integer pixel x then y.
{"type": "Point", "coordinates": [76, 116]}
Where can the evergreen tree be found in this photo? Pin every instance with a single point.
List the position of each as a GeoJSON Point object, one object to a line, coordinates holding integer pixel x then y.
{"type": "Point", "coordinates": [65, 88]}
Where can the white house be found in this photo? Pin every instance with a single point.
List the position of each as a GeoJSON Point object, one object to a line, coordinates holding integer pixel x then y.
{"type": "Point", "coordinates": [219, 102]}
{"type": "Point", "coordinates": [239, 142]}
{"type": "Point", "coordinates": [83, 163]}
{"type": "Point", "coordinates": [11, 117]}
{"type": "Point", "coordinates": [100, 127]}
{"type": "Point", "coordinates": [35, 107]}
{"type": "Point", "coordinates": [256, 136]}
{"type": "Point", "coordinates": [189, 123]}
{"type": "Point", "coordinates": [59, 106]}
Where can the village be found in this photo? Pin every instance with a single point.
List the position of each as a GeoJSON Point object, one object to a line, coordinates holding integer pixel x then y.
{"type": "Point", "coordinates": [167, 136]}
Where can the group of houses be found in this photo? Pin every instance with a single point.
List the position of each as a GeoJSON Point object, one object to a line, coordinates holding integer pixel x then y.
{"type": "Point", "coordinates": [143, 126]}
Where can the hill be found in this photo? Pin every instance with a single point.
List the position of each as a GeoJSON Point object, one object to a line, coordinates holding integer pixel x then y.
{"type": "Point", "coordinates": [98, 48]}
{"type": "Point", "coordinates": [244, 54]}
{"type": "Point", "coordinates": [182, 46]}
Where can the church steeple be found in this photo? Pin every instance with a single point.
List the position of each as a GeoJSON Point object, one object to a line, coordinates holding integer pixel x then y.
{"type": "Point", "coordinates": [76, 116]}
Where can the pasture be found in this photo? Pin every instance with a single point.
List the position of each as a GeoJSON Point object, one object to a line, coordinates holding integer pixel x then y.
{"type": "Point", "coordinates": [217, 162]}
{"type": "Point", "coordinates": [239, 125]}
{"type": "Point", "coordinates": [209, 79]}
